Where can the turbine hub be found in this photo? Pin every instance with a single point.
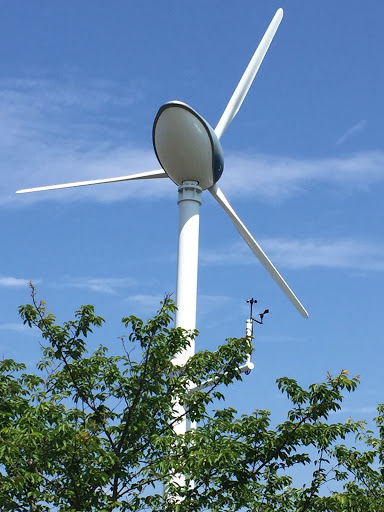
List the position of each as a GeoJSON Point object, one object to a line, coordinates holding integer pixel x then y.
{"type": "Point", "coordinates": [186, 145]}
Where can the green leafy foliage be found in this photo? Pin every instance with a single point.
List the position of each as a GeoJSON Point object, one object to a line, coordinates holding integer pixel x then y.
{"type": "Point", "coordinates": [95, 432]}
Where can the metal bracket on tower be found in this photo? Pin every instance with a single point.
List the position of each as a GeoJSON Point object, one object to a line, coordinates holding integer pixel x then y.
{"type": "Point", "coordinates": [190, 191]}
{"type": "Point", "coordinates": [244, 368]}
{"type": "Point", "coordinates": [189, 202]}
{"type": "Point", "coordinates": [248, 366]}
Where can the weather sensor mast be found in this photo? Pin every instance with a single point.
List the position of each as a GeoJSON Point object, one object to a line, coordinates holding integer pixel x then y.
{"type": "Point", "coordinates": [251, 320]}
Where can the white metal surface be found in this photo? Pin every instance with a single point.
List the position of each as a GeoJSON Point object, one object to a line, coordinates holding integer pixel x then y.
{"type": "Point", "coordinates": [187, 261]}
{"type": "Point", "coordinates": [186, 288]}
{"type": "Point", "coordinates": [159, 173]}
{"type": "Point", "coordinates": [257, 250]}
{"type": "Point", "coordinates": [249, 328]}
{"type": "Point", "coordinates": [248, 366]}
{"type": "Point", "coordinates": [245, 83]}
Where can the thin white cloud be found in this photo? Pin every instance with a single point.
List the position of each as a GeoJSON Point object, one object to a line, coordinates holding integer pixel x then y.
{"type": "Point", "coordinates": [54, 132]}
{"type": "Point", "coordinates": [279, 339]}
{"type": "Point", "coordinates": [15, 327]}
{"type": "Point", "coordinates": [356, 410]}
{"type": "Point", "coordinates": [208, 303]}
{"type": "Point", "coordinates": [352, 254]}
{"type": "Point", "coordinates": [290, 253]}
{"type": "Point", "coordinates": [205, 303]}
{"type": "Point", "coordinates": [353, 130]}
{"type": "Point", "coordinates": [269, 177]}
{"type": "Point", "coordinates": [145, 302]}
{"type": "Point", "coordinates": [109, 285]}
{"type": "Point", "coordinates": [235, 254]}
{"type": "Point", "coordinates": [41, 96]}
{"type": "Point", "coordinates": [15, 282]}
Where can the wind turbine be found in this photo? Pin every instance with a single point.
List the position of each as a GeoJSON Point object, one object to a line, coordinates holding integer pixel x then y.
{"type": "Point", "coordinates": [190, 154]}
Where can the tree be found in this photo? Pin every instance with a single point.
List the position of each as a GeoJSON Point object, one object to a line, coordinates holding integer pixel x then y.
{"type": "Point", "coordinates": [362, 470]}
{"type": "Point", "coordinates": [94, 432]}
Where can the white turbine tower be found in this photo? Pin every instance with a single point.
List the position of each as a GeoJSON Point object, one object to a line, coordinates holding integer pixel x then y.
{"type": "Point", "coordinates": [190, 154]}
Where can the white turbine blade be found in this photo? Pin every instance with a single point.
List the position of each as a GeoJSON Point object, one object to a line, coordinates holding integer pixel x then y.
{"type": "Point", "coordinates": [140, 176]}
{"type": "Point", "coordinates": [249, 74]}
{"type": "Point", "coordinates": [257, 250]}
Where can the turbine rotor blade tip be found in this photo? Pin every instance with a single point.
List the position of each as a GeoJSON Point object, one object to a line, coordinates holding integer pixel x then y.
{"type": "Point", "coordinates": [257, 250]}
{"type": "Point", "coordinates": [159, 173]}
{"type": "Point", "coordinates": [249, 74]}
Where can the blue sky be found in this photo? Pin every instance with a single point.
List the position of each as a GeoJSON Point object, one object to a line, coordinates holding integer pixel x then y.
{"type": "Point", "coordinates": [80, 85]}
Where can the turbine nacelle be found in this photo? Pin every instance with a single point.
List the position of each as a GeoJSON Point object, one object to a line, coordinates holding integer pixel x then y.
{"type": "Point", "coordinates": [186, 145]}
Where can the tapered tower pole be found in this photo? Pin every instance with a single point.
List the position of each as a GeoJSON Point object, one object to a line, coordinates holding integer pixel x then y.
{"type": "Point", "coordinates": [186, 287]}
{"type": "Point", "coordinates": [187, 261]}
{"type": "Point", "coordinates": [186, 280]}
